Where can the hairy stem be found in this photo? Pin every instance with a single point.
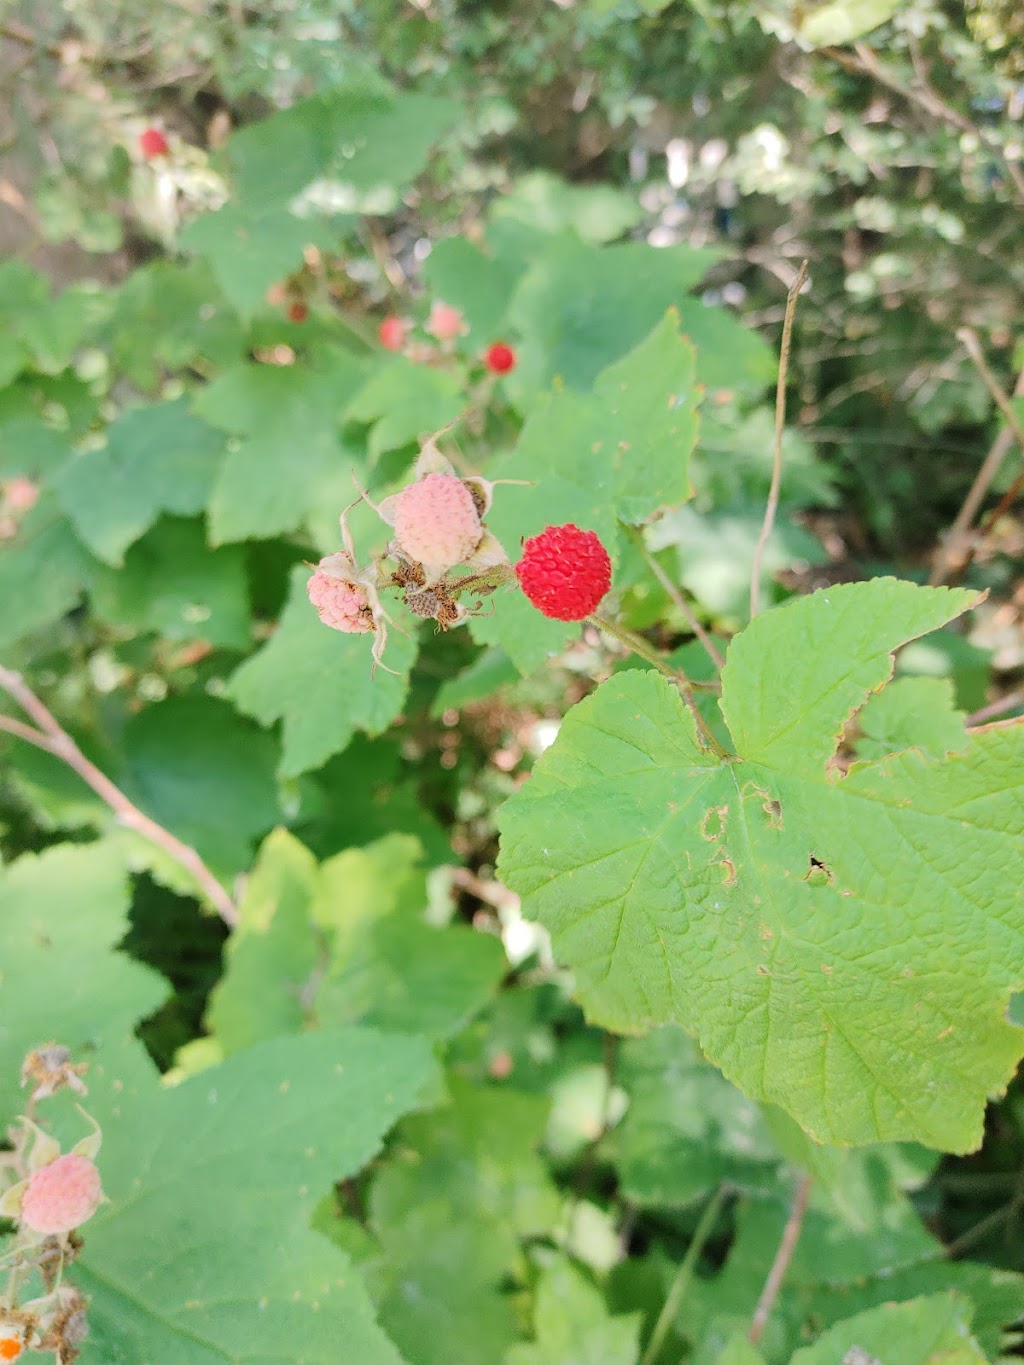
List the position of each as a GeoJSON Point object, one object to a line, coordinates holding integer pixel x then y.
{"type": "Point", "coordinates": [783, 1256]}
{"type": "Point", "coordinates": [637, 537]}
{"type": "Point", "coordinates": [780, 422]}
{"type": "Point", "coordinates": [684, 1275]}
{"type": "Point", "coordinates": [54, 739]}
{"type": "Point", "coordinates": [686, 687]}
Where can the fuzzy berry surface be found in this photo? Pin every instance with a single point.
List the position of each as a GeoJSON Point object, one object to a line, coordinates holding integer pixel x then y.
{"type": "Point", "coordinates": [340, 605]}
{"type": "Point", "coordinates": [436, 521]}
{"type": "Point", "coordinates": [61, 1196]}
{"type": "Point", "coordinates": [565, 572]}
{"type": "Point", "coordinates": [391, 334]}
{"type": "Point", "coordinates": [152, 143]}
{"type": "Point", "coordinates": [500, 358]}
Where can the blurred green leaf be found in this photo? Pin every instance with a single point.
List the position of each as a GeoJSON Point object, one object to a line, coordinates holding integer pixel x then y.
{"type": "Point", "coordinates": [573, 1325]}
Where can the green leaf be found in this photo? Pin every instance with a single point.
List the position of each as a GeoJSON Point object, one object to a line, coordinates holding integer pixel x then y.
{"type": "Point", "coordinates": [270, 957]}
{"type": "Point", "coordinates": [581, 307]}
{"type": "Point", "coordinates": [157, 459]}
{"type": "Point", "coordinates": [465, 1185]}
{"type": "Point", "coordinates": [205, 1251]}
{"type": "Point", "coordinates": [597, 213]}
{"type": "Point", "coordinates": [174, 585]}
{"type": "Point", "coordinates": [737, 1351]}
{"type": "Point", "coordinates": [42, 572]}
{"type": "Point", "coordinates": [360, 136]}
{"type": "Point", "coordinates": [62, 915]}
{"type": "Point", "coordinates": [573, 1325]}
{"type": "Point", "coordinates": [911, 713]}
{"type": "Point", "coordinates": [926, 1331]}
{"type": "Point", "coordinates": [318, 681]}
{"type": "Point", "coordinates": [621, 451]}
{"type": "Point", "coordinates": [249, 252]}
{"type": "Point", "coordinates": [203, 772]}
{"type": "Point", "coordinates": [844, 20]}
{"type": "Point", "coordinates": [481, 285]}
{"type": "Point", "coordinates": [811, 929]}
{"type": "Point", "coordinates": [30, 449]}
{"type": "Point", "coordinates": [275, 411]}
{"type": "Point", "coordinates": [404, 402]}
{"type": "Point", "coordinates": [687, 1129]}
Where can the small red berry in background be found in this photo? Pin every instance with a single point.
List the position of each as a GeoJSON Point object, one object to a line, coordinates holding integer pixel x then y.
{"type": "Point", "coordinates": [298, 311]}
{"type": "Point", "coordinates": [565, 572]}
{"type": "Point", "coordinates": [391, 334]}
{"type": "Point", "coordinates": [152, 143]}
{"type": "Point", "coordinates": [500, 358]}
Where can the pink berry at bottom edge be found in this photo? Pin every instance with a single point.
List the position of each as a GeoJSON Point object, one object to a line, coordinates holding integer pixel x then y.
{"type": "Point", "coordinates": [565, 572]}
{"type": "Point", "coordinates": [339, 604]}
{"type": "Point", "coordinates": [61, 1196]}
{"type": "Point", "coordinates": [152, 143]}
{"type": "Point", "coordinates": [500, 358]}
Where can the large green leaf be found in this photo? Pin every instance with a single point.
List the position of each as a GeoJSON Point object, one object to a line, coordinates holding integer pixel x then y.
{"type": "Point", "coordinates": [62, 914]}
{"type": "Point", "coordinates": [205, 1252]}
{"type": "Point", "coordinates": [813, 930]}
{"type": "Point", "coordinates": [318, 681]}
{"type": "Point", "coordinates": [156, 459]}
{"type": "Point", "coordinates": [926, 1331]}
{"type": "Point", "coordinates": [43, 570]}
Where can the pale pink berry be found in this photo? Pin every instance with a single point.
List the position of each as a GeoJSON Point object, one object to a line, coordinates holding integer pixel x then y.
{"type": "Point", "coordinates": [339, 604]}
{"type": "Point", "coordinates": [445, 322]}
{"type": "Point", "coordinates": [61, 1196]}
{"type": "Point", "coordinates": [21, 495]}
{"type": "Point", "coordinates": [436, 521]}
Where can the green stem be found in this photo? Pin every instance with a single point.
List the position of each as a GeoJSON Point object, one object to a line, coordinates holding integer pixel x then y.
{"type": "Point", "coordinates": [647, 652]}
{"type": "Point", "coordinates": [683, 1276]}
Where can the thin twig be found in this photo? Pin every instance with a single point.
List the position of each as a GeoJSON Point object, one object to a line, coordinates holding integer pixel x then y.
{"type": "Point", "coordinates": [686, 686]}
{"type": "Point", "coordinates": [787, 1245]}
{"type": "Point", "coordinates": [683, 1276]}
{"type": "Point", "coordinates": [53, 739]}
{"type": "Point", "coordinates": [780, 421]}
{"type": "Point", "coordinates": [637, 536]}
{"type": "Point", "coordinates": [999, 707]}
{"type": "Point", "coordinates": [956, 553]}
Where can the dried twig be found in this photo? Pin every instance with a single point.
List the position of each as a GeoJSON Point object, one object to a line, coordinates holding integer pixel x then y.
{"type": "Point", "coordinates": [957, 553]}
{"type": "Point", "coordinates": [783, 1256]}
{"type": "Point", "coordinates": [780, 421]}
{"type": "Point", "coordinates": [53, 739]}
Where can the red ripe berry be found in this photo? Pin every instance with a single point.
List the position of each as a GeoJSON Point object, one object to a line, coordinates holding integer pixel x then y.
{"type": "Point", "coordinates": [500, 358]}
{"type": "Point", "coordinates": [391, 334]}
{"type": "Point", "coordinates": [152, 143]}
{"type": "Point", "coordinates": [298, 311]}
{"type": "Point", "coordinates": [565, 572]}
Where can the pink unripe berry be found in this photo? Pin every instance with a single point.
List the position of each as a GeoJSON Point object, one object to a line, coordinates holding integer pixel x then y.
{"type": "Point", "coordinates": [565, 572]}
{"type": "Point", "coordinates": [436, 521]}
{"type": "Point", "coordinates": [445, 322]}
{"type": "Point", "coordinates": [500, 358]}
{"type": "Point", "coordinates": [339, 604]}
{"type": "Point", "coordinates": [152, 143]}
{"type": "Point", "coordinates": [391, 334]}
{"type": "Point", "coordinates": [20, 495]}
{"type": "Point", "coordinates": [61, 1196]}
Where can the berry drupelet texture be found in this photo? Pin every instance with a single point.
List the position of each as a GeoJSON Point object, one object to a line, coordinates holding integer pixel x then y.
{"type": "Point", "coordinates": [60, 1196]}
{"type": "Point", "coordinates": [500, 358]}
{"type": "Point", "coordinates": [436, 521]}
{"type": "Point", "coordinates": [340, 605]}
{"type": "Point", "coordinates": [565, 572]}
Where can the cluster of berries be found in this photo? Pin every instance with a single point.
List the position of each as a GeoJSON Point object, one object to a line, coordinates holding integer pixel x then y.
{"type": "Point", "coordinates": [55, 1194]}
{"type": "Point", "coordinates": [445, 324]}
{"type": "Point", "coordinates": [439, 534]}
{"type": "Point", "coordinates": [438, 523]}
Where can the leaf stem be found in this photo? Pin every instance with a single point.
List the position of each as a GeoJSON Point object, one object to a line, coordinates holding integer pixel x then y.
{"type": "Point", "coordinates": [53, 739]}
{"type": "Point", "coordinates": [686, 687]}
{"type": "Point", "coordinates": [636, 535]}
{"type": "Point", "coordinates": [684, 1275]}
{"type": "Point", "coordinates": [783, 1256]}
{"type": "Point", "coordinates": [780, 421]}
